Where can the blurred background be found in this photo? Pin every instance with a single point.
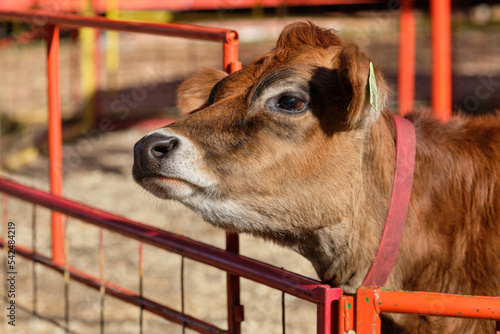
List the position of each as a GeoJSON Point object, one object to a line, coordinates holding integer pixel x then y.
{"type": "Point", "coordinates": [132, 79]}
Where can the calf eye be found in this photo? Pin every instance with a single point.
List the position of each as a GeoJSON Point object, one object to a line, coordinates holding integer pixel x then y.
{"type": "Point", "coordinates": [291, 104]}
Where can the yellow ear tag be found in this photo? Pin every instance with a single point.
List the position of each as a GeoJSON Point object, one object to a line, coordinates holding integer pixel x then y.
{"type": "Point", "coordinates": [373, 88]}
{"type": "Point", "coordinates": [349, 106]}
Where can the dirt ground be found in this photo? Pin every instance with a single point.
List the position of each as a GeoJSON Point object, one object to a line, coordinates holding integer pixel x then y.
{"type": "Point", "coordinates": [97, 169]}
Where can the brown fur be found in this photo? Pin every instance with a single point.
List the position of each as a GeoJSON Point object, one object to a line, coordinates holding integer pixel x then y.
{"type": "Point", "coordinates": [320, 181]}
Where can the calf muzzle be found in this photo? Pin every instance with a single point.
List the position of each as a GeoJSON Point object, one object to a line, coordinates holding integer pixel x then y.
{"type": "Point", "coordinates": [150, 152]}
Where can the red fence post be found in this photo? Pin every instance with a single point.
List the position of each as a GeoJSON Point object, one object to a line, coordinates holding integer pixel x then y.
{"type": "Point", "coordinates": [55, 139]}
{"type": "Point", "coordinates": [235, 314]}
{"type": "Point", "coordinates": [234, 308]}
{"type": "Point", "coordinates": [327, 299]}
{"type": "Point", "coordinates": [324, 313]}
{"type": "Point", "coordinates": [230, 53]}
{"type": "Point", "coordinates": [406, 80]}
{"type": "Point", "coordinates": [441, 58]}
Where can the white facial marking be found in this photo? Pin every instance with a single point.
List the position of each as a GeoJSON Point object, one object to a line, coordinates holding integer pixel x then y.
{"type": "Point", "coordinates": [228, 214]}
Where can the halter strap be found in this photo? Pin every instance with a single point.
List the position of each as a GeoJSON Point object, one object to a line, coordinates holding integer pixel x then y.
{"type": "Point", "coordinates": [398, 209]}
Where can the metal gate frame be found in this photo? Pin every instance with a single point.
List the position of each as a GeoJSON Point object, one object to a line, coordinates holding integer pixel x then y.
{"type": "Point", "coordinates": [234, 264]}
{"type": "Point", "coordinates": [334, 311]}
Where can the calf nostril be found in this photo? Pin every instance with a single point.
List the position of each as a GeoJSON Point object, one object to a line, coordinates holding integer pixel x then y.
{"type": "Point", "coordinates": [162, 148]}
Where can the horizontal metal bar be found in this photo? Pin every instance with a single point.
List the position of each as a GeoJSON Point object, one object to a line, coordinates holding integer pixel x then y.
{"type": "Point", "coordinates": [181, 5]}
{"type": "Point", "coordinates": [120, 292]}
{"type": "Point", "coordinates": [42, 18]}
{"type": "Point", "coordinates": [293, 284]}
{"type": "Point", "coordinates": [439, 304]}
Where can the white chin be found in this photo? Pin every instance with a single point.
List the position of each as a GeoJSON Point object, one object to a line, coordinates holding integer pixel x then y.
{"type": "Point", "coordinates": [168, 188]}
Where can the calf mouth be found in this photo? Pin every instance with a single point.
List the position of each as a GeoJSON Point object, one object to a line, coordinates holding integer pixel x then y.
{"type": "Point", "coordinates": [165, 187]}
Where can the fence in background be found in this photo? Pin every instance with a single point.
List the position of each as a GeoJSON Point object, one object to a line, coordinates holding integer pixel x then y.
{"type": "Point", "coordinates": [360, 313]}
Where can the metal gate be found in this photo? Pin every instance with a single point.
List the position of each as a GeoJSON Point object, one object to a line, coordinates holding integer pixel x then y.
{"type": "Point", "coordinates": [335, 312]}
{"type": "Point", "coordinates": [228, 260]}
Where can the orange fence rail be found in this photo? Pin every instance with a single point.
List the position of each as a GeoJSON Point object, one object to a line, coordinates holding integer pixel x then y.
{"type": "Point", "coordinates": [370, 302]}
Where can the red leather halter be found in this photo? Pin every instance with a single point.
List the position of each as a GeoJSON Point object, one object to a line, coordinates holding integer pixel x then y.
{"type": "Point", "coordinates": [400, 200]}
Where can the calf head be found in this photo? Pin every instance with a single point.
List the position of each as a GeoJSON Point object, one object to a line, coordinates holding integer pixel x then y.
{"type": "Point", "coordinates": [274, 149]}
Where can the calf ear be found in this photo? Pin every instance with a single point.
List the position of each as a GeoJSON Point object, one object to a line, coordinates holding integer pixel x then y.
{"type": "Point", "coordinates": [355, 72]}
{"type": "Point", "coordinates": [193, 93]}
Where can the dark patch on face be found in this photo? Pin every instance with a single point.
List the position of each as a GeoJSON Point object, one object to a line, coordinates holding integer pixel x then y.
{"type": "Point", "coordinates": [328, 95]}
{"type": "Point", "coordinates": [329, 100]}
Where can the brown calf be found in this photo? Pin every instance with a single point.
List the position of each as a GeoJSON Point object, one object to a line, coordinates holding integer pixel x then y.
{"type": "Point", "coordinates": [290, 149]}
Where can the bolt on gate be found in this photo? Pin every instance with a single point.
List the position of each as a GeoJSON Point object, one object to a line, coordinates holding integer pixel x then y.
{"type": "Point", "coordinates": [335, 312]}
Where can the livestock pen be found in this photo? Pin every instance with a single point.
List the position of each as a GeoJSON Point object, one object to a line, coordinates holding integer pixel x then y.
{"type": "Point", "coordinates": [334, 311]}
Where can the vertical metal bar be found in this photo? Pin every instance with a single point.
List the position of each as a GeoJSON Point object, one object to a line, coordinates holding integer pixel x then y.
{"type": "Point", "coordinates": [283, 318]}
{"type": "Point", "coordinates": [33, 270]}
{"type": "Point", "coordinates": [183, 310]}
{"type": "Point", "coordinates": [141, 288]}
{"type": "Point", "coordinates": [342, 316]}
{"type": "Point", "coordinates": [406, 81]}
{"type": "Point", "coordinates": [324, 312]}
{"type": "Point", "coordinates": [55, 139]}
{"type": "Point", "coordinates": [66, 277]}
{"type": "Point", "coordinates": [102, 289]}
{"type": "Point", "coordinates": [441, 58]}
{"type": "Point", "coordinates": [346, 314]}
{"type": "Point", "coordinates": [327, 309]}
{"type": "Point", "coordinates": [367, 313]}
{"type": "Point", "coordinates": [234, 309]}
{"type": "Point", "coordinates": [230, 53]}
